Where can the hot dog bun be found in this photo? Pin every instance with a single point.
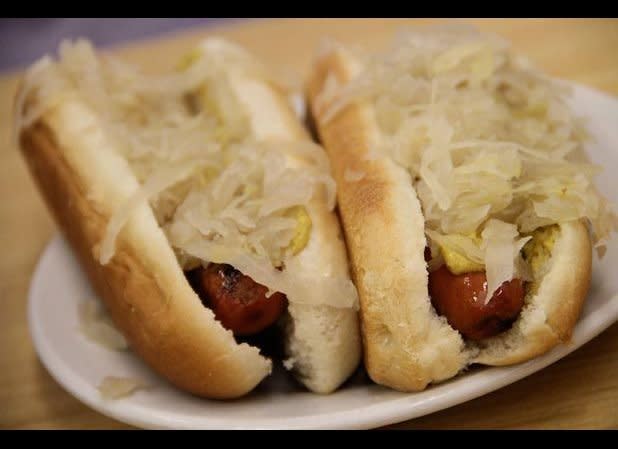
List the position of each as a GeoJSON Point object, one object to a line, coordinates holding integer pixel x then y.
{"type": "Point", "coordinates": [407, 344]}
{"type": "Point", "coordinates": [83, 180]}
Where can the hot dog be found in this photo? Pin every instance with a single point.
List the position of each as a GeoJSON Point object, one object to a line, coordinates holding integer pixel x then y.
{"type": "Point", "coordinates": [470, 168]}
{"type": "Point", "coordinates": [239, 303]}
{"type": "Point", "coordinates": [200, 211]}
{"type": "Point", "coordinates": [461, 299]}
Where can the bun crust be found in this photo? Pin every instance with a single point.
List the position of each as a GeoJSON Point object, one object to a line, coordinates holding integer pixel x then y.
{"type": "Point", "coordinates": [158, 312]}
{"type": "Point", "coordinates": [407, 345]}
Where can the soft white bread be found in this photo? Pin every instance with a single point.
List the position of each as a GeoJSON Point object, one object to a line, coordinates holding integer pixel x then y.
{"type": "Point", "coordinates": [322, 342]}
{"type": "Point", "coordinates": [407, 345]}
{"type": "Point", "coordinates": [83, 180]}
{"type": "Point", "coordinates": [551, 313]}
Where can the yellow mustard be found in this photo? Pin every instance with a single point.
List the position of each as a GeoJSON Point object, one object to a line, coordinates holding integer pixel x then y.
{"type": "Point", "coordinates": [457, 262]}
{"type": "Point", "coordinates": [303, 228]}
{"type": "Point", "coordinates": [538, 250]}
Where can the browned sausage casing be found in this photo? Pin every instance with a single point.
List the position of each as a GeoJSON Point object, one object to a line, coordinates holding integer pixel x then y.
{"type": "Point", "coordinates": [238, 302]}
{"type": "Point", "coordinates": [461, 299]}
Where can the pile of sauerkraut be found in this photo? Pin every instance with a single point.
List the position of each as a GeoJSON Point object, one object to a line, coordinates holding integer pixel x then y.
{"type": "Point", "coordinates": [493, 150]}
{"type": "Point", "coordinates": [219, 195]}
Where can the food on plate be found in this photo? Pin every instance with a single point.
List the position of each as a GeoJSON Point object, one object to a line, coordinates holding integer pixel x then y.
{"type": "Point", "coordinates": [97, 326]}
{"type": "Point", "coordinates": [466, 198]}
{"type": "Point", "coordinates": [116, 387]}
{"type": "Point", "coordinates": [201, 212]}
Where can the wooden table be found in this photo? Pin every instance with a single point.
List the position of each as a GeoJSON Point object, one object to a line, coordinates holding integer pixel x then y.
{"type": "Point", "coordinates": [580, 391]}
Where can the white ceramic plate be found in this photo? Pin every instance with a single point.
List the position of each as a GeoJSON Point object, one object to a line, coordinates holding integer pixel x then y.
{"type": "Point", "coordinates": [79, 365]}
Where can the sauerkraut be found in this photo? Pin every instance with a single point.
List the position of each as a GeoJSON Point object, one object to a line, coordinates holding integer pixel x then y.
{"type": "Point", "coordinates": [218, 193]}
{"type": "Point", "coordinates": [115, 387]}
{"type": "Point", "coordinates": [489, 141]}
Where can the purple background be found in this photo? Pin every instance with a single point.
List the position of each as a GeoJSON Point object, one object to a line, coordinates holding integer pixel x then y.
{"type": "Point", "coordinates": [22, 41]}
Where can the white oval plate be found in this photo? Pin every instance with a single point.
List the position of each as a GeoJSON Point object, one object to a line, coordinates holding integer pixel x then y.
{"type": "Point", "coordinates": [79, 365]}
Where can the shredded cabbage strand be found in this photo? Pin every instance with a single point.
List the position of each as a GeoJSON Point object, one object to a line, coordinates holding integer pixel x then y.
{"type": "Point", "coordinates": [157, 182]}
{"type": "Point", "coordinates": [502, 246]}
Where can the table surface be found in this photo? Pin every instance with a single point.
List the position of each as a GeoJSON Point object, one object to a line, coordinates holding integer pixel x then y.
{"type": "Point", "coordinates": [580, 391]}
